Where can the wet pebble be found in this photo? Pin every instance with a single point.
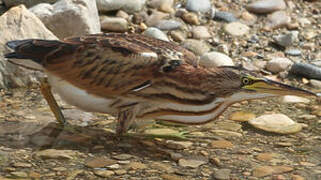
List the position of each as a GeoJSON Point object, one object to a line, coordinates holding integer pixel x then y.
{"type": "Point", "coordinates": [278, 64]}
{"type": "Point", "coordinates": [225, 16]}
{"type": "Point", "coordinates": [156, 33]}
{"type": "Point", "coordinates": [214, 59]}
{"type": "Point", "coordinates": [236, 28]}
{"type": "Point", "coordinates": [198, 5]}
{"type": "Point", "coordinates": [266, 6]}
{"type": "Point", "coordinates": [277, 123]}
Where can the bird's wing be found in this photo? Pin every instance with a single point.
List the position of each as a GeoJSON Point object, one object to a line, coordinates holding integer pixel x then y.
{"type": "Point", "coordinates": [106, 64]}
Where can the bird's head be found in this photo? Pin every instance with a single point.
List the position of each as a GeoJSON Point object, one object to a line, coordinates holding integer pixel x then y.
{"type": "Point", "coordinates": [244, 85]}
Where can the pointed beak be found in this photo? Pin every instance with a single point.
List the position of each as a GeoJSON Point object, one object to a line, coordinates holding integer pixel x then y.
{"type": "Point", "coordinates": [276, 88]}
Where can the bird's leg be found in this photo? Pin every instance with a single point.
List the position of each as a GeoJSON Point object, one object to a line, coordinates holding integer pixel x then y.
{"type": "Point", "coordinates": [47, 94]}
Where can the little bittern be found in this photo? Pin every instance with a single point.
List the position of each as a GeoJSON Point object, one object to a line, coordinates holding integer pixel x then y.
{"type": "Point", "coordinates": [132, 76]}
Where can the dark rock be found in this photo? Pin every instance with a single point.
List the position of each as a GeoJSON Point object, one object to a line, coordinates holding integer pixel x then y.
{"type": "Point", "coordinates": [225, 16]}
{"type": "Point", "coordinates": [306, 70]}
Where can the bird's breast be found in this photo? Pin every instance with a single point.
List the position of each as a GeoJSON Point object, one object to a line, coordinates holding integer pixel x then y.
{"type": "Point", "coordinates": [79, 97]}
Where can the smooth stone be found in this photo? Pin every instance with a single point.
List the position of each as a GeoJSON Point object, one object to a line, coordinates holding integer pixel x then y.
{"type": "Point", "coordinates": [222, 174]}
{"type": "Point", "coordinates": [162, 167]}
{"type": "Point", "coordinates": [191, 18]}
{"type": "Point", "coordinates": [155, 18]}
{"type": "Point", "coordinates": [309, 71]}
{"type": "Point", "coordinates": [225, 16]}
{"type": "Point", "coordinates": [179, 145]}
{"type": "Point", "coordinates": [28, 3]}
{"type": "Point", "coordinates": [79, 17]}
{"type": "Point", "coordinates": [99, 162]}
{"type": "Point", "coordinates": [19, 174]}
{"type": "Point", "coordinates": [278, 64]}
{"type": "Point", "coordinates": [21, 164]}
{"type": "Point", "coordinates": [191, 163]}
{"type": "Point", "coordinates": [196, 46]}
{"type": "Point", "coordinates": [136, 166]}
{"type": "Point", "coordinates": [266, 156]}
{"type": "Point", "coordinates": [241, 116]}
{"type": "Point", "coordinates": [161, 131]}
{"type": "Point", "coordinates": [123, 156]}
{"type": "Point", "coordinates": [276, 123]}
{"type": "Point", "coordinates": [262, 171]}
{"type": "Point", "coordinates": [171, 177]}
{"type": "Point", "coordinates": [294, 99]}
{"type": "Point", "coordinates": [215, 59]}
{"type": "Point", "coordinates": [236, 28]}
{"type": "Point", "coordinates": [224, 133]}
{"type": "Point", "coordinates": [229, 126]}
{"type": "Point", "coordinates": [293, 52]}
{"type": "Point", "coordinates": [162, 5]}
{"type": "Point", "coordinates": [315, 83]}
{"type": "Point", "coordinates": [56, 154]}
{"type": "Point", "coordinates": [288, 39]}
{"type": "Point", "coordinates": [198, 5]}
{"type": "Point", "coordinates": [104, 173]}
{"type": "Point", "coordinates": [113, 24]}
{"type": "Point", "coordinates": [276, 20]}
{"type": "Point", "coordinates": [167, 25]}
{"type": "Point", "coordinates": [129, 6]}
{"type": "Point", "coordinates": [155, 33]}
{"type": "Point", "coordinates": [19, 23]}
{"type": "Point", "coordinates": [200, 32]}
{"type": "Point", "coordinates": [266, 6]}
{"type": "Point", "coordinates": [178, 36]}
{"type": "Point", "coordinates": [221, 144]}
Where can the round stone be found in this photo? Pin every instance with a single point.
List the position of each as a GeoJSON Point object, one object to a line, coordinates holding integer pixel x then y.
{"type": "Point", "coordinates": [236, 28]}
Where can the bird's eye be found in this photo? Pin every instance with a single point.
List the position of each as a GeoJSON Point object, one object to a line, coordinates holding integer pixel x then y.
{"type": "Point", "coordinates": [246, 81]}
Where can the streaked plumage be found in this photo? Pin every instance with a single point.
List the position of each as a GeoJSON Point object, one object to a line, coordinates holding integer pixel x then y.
{"type": "Point", "coordinates": [137, 77]}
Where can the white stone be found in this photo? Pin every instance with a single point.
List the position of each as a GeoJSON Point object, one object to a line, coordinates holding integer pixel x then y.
{"type": "Point", "coordinates": [114, 24]}
{"type": "Point", "coordinates": [214, 59]}
{"type": "Point", "coordinates": [201, 32]}
{"type": "Point", "coordinates": [294, 99]}
{"type": "Point", "coordinates": [236, 28]}
{"type": "Point", "coordinates": [198, 5]}
{"type": "Point", "coordinates": [266, 6]}
{"type": "Point", "coordinates": [315, 83]}
{"type": "Point", "coordinates": [278, 64]}
{"type": "Point", "coordinates": [129, 6]}
{"type": "Point", "coordinates": [277, 123]}
{"type": "Point", "coordinates": [18, 23]}
{"type": "Point", "coordinates": [156, 33]}
{"type": "Point", "coordinates": [69, 18]}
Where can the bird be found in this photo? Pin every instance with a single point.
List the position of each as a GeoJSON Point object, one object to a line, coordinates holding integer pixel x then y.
{"type": "Point", "coordinates": [137, 78]}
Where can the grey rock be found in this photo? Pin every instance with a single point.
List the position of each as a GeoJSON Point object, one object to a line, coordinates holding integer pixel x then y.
{"type": "Point", "coordinates": [293, 52]}
{"type": "Point", "coordinates": [168, 25]}
{"type": "Point", "coordinates": [266, 6]}
{"type": "Point", "coordinates": [225, 16]}
{"type": "Point", "coordinates": [277, 19]}
{"type": "Point", "coordinates": [214, 59]}
{"type": "Point", "coordinates": [222, 174]}
{"type": "Point", "coordinates": [309, 71]}
{"type": "Point", "coordinates": [19, 23]}
{"type": "Point", "coordinates": [69, 18]}
{"type": "Point", "coordinates": [129, 6]}
{"type": "Point", "coordinates": [28, 3]}
{"type": "Point", "coordinates": [155, 17]}
{"type": "Point", "coordinates": [162, 5]}
{"type": "Point", "coordinates": [113, 24]}
{"type": "Point", "coordinates": [198, 5]}
{"type": "Point", "coordinates": [196, 46]}
{"type": "Point", "coordinates": [288, 39]}
{"type": "Point", "coordinates": [278, 64]}
{"type": "Point", "coordinates": [156, 33]}
{"type": "Point", "coordinates": [236, 28]}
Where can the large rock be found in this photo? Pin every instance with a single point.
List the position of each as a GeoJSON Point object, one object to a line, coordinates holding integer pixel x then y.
{"type": "Point", "coordinates": [69, 18]}
{"type": "Point", "coordinates": [28, 3]}
{"type": "Point", "coordinates": [18, 23]}
{"type": "Point", "coordinates": [129, 6]}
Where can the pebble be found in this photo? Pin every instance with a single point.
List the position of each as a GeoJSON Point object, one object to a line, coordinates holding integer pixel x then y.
{"type": "Point", "coordinates": [161, 131]}
{"type": "Point", "coordinates": [288, 39]}
{"type": "Point", "coordinates": [214, 59]}
{"type": "Point", "coordinates": [236, 28]}
{"type": "Point", "coordinates": [229, 126]}
{"type": "Point", "coordinates": [241, 116]}
{"type": "Point", "coordinates": [278, 64]}
{"type": "Point", "coordinates": [21, 164]}
{"type": "Point", "coordinates": [136, 166]}
{"type": "Point", "coordinates": [266, 6]}
{"type": "Point", "coordinates": [104, 173]}
{"type": "Point", "coordinates": [263, 171]}
{"type": "Point", "coordinates": [277, 123]}
{"type": "Point", "coordinates": [168, 25]}
{"type": "Point", "coordinates": [315, 83]}
{"type": "Point", "coordinates": [201, 32]}
{"type": "Point", "coordinates": [113, 24]}
{"type": "Point", "coordinates": [162, 5]}
{"type": "Point", "coordinates": [224, 133]}
{"type": "Point", "coordinates": [225, 16]}
{"type": "Point", "coordinates": [266, 156]}
{"type": "Point", "coordinates": [198, 5]}
{"type": "Point", "coordinates": [276, 20]}
{"type": "Point", "coordinates": [178, 36]}
{"type": "Point", "coordinates": [297, 177]}
{"type": "Point", "coordinates": [162, 167]}
{"type": "Point", "coordinates": [222, 174]}
{"type": "Point", "coordinates": [178, 145]}
{"type": "Point", "coordinates": [191, 18]}
{"type": "Point", "coordinates": [56, 154]}
{"type": "Point", "coordinates": [155, 33]}
{"type": "Point", "coordinates": [294, 99]}
{"type": "Point", "coordinates": [221, 144]}
{"type": "Point", "coordinates": [100, 162]}
{"type": "Point", "coordinates": [196, 46]}
{"type": "Point", "coordinates": [19, 174]}
{"type": "Point", "coordinates": [171, 177]}
{"type": "Point", "coordinates": [155, 18]}
{"type": "Point", "coordinates": [123, 156]}
{"type": "Point", "coordinates": [293, 52]}
{"type": "Point", "coordinates": [129, 6]}
{"type": "Point", "coordinates": [308, 71]}
{"type": "Point", "coordinates": [191, 163]}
